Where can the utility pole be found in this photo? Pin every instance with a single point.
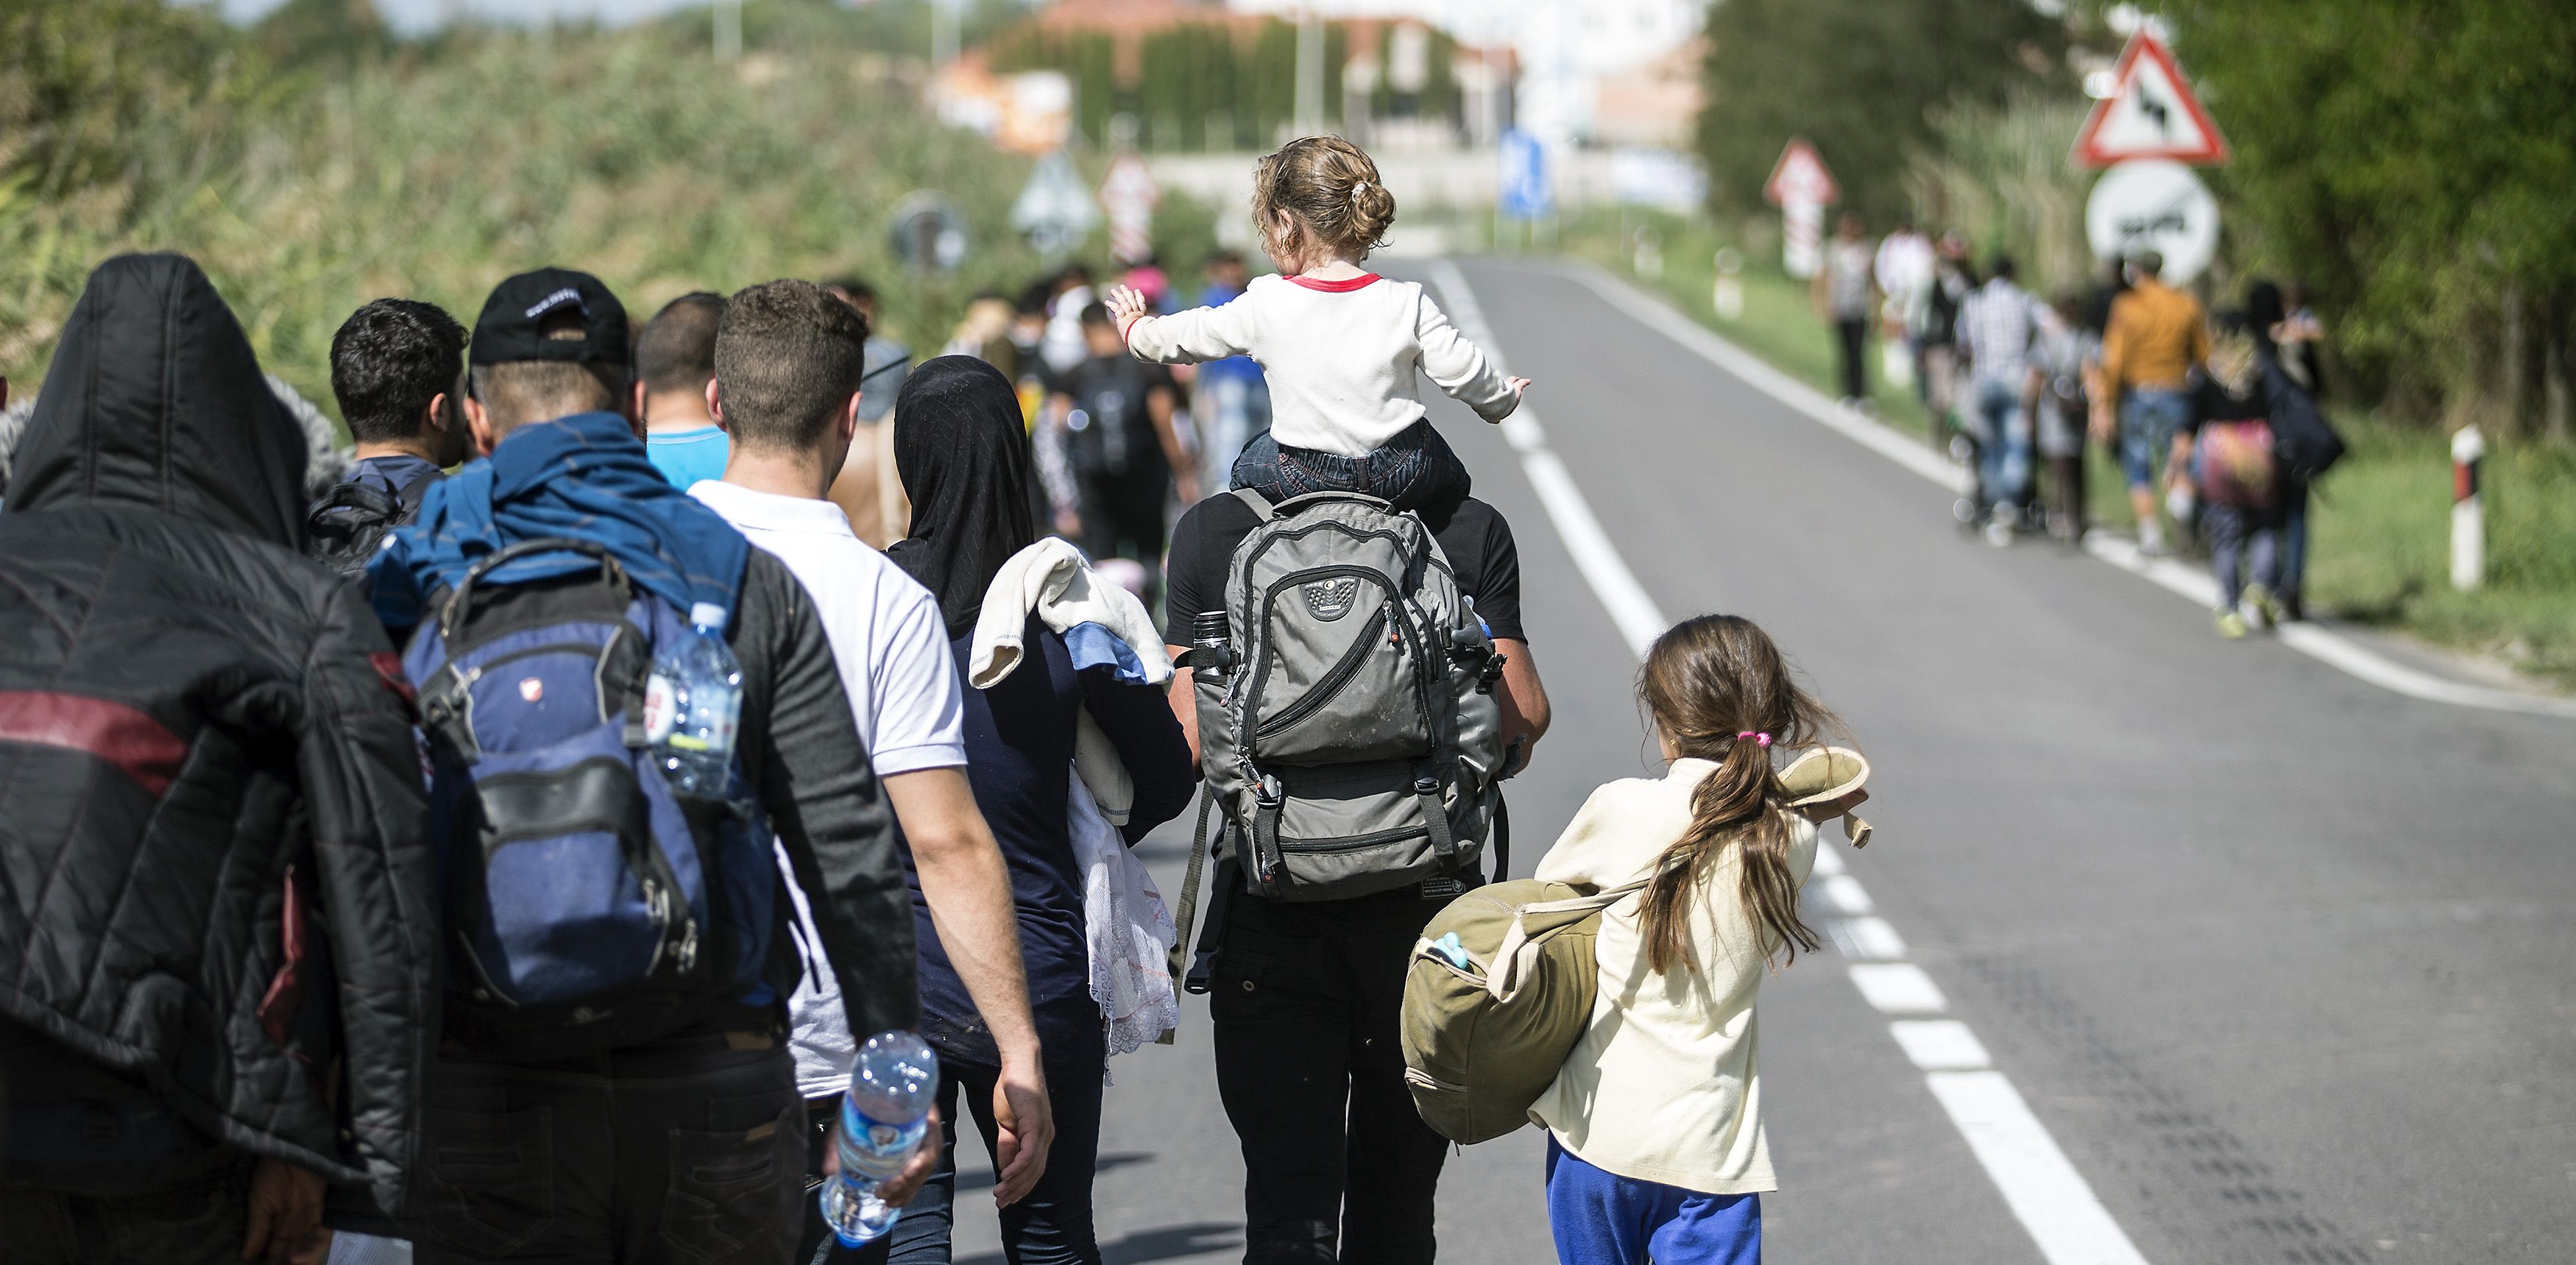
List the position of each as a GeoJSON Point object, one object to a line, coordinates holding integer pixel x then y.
{"type": "Point", "coordinates": [728, 29]}
{"type": "Point", "coordinates": [1310, 73]}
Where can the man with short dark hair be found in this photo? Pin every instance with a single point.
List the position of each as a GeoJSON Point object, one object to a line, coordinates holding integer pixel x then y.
{"type": "Point", "coordinates": [396, 365]}
{"type": "Point", "coordinates": [2156, 336]}
{"type": "Point", "coordinates": [687, 1145]}
{"type": "Point", "coordinates": [1997, 327]}
{"type": "Point", "coordinates": [788, 368]}
{"type": "Point", "coordinates": [675, 359]}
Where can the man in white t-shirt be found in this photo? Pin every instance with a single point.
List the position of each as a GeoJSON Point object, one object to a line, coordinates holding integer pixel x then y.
{"type": "Point", "coordinates": [788, 362]}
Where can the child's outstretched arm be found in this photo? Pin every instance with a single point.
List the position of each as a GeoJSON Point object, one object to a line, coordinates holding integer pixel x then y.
{"type": "Point", "coordinates": [1462, 369]}
{"type": "Point", "coordinates": [1183, 338]}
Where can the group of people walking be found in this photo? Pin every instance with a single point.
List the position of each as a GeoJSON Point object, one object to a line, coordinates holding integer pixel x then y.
{"type": "Point", "coordinates": [2212, 421]}
{"type": "Point", "coordinates": [381, 863]}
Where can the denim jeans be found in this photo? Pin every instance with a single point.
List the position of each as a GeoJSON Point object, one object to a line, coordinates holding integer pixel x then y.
{"type": "Point", "coordinates": [1052, 1224]}
{"type": "Point", "coordinates": [2148, 420]}
{"type": "Point", "coordinates": [689, 1152]}
{"type": "Point", "coordinates": [2234, 533]}
{"type": "Point", "coordinates": [2003, 447]}
{"type": "Point", "coordinates": [2294, 536]}
{"type": "Point", "coordinates": [1338, 1165]}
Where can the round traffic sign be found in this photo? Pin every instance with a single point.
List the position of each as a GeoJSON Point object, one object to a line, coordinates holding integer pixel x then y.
{"type": "Point", "coordinates": [2154, 204]}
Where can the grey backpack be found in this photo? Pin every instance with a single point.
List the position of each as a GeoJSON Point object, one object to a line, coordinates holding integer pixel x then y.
{"type": "Point", "coordinates": [1347, 720]}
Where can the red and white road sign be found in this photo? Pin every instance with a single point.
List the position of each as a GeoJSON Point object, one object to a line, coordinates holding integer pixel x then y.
{"type": "Point", "coordinates": [2151, 113]}
{"type": "Point", "coordinates": [1129, 193]}
{"type": "Point", "coordinates": [1800, 176]}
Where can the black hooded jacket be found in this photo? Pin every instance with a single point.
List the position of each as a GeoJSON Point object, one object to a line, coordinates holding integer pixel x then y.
{"type": "Point", "coordinates": [213, 880]}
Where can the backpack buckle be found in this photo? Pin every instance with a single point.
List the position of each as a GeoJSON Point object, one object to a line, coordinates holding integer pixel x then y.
{"type": "Point", "coordinates": [1268, 791]}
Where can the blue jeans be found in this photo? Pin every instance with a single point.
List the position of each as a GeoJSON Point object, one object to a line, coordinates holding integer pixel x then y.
{"type": "Point", "coordinates": [2148, 420]}
{"type": "Point", "coordinates": [2234, 533]}
{"type": "Point", "coordinates": [1601, 1218]}
{"type": "Point", "coordinates": [2003, 447]}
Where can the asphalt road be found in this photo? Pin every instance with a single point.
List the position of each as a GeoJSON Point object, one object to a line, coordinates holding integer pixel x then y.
{"type": "Point", "coordinates": [2281, 960]}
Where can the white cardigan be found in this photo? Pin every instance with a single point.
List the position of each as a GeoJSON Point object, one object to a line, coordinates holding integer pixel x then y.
{"type": "Point", "coordinates": [1340, 356]}
{"type": "Point", "coordinates": [1663, 1086]}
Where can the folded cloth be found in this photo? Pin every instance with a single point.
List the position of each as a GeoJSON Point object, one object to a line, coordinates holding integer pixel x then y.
{"type": "Point", "coordinates": [1103, 626]}
{"type": "Point", "coordinates": [1126, 927]}
{"type": "Point", "coordinates": [584, 477]}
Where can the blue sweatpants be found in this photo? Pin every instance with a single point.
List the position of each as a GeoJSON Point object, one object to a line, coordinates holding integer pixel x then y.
{"type": "Point", "coordinates": [1601, 1218]}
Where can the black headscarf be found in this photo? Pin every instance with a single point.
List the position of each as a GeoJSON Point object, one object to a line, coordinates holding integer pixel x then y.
{"type": "Point", "coordinates": [964, 458]}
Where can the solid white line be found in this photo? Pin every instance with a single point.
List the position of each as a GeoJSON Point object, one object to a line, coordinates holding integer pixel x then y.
{"type": "Point", "coordinates": [2324, 645]}
{"type": "Point", "coordinates": [1898, 988]}
{"type": "Point", "coordinates": [2049, 1197]}
{"type": "Point", "coordinates": [2053, 1204]}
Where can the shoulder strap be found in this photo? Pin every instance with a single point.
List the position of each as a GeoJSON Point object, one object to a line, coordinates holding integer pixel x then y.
{"type": "Point", "coordinates": [352, 495]}
{"type": "Point", "coordinates": [1260, 504]}
{"type": "Point", "coordinates": [1514, 954]}
{"type": "Point", "coordinates": [417, 491]}
{"type": "Point", "coordinates": [1181, 918]}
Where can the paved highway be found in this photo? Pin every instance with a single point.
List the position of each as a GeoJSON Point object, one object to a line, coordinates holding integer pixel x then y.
{"type": "Point", "coordinates": [2200, 952]}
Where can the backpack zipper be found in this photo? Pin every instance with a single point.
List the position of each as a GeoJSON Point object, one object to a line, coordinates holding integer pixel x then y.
{"type": "Point", "coordinates": [1334, 682]}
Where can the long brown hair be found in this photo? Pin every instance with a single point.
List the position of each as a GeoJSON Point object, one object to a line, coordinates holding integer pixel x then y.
{"type": "Point", "coordinates": [1330, 193]}
{"type": "Point", "coordinates": [1708, 683]}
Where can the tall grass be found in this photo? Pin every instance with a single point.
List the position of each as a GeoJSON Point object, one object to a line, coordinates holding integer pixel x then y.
{"type": "Point", "coordinates": [628, 153]}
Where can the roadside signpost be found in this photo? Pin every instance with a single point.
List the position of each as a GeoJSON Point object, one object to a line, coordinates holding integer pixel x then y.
{"type": "Point", "coordinates": [2149, 132]}
{"type": "Point", "coordinates": [1802, 187]}
{"type": "Point", "coordinates": [1525, 191]}
{"type": "Point", "coordinates": [1053, 209]}
{"type": "Point", "coordinates": [1130, 194]}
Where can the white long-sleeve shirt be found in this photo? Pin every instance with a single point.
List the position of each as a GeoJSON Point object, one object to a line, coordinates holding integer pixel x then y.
{"type": "Point", "coordinates": [1340, 356]}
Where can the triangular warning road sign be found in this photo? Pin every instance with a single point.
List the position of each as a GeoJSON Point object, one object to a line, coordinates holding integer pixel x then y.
{"type": "Point", "coordinates": [2151, 113]}
{"type": "Point", "coordinates": [1800, 176]}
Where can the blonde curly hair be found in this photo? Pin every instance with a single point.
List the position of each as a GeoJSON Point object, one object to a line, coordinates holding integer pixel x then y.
{"type": "Point", "coordinates": [1328, 191]}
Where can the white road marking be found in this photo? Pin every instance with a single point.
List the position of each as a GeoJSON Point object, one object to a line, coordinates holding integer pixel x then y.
{"type": "Point", "coordinates": [2044, 1191]}
{"type": "Point", "coordinates": [1898, 988]}
{"type": "Point", "coordinates": [2322, 644]}
{"type": "Point", "coordinates": [1940, 1045]}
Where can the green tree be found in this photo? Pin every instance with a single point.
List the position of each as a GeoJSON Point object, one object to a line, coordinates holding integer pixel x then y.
{"type": "Point", "coordinates": [1859, 78]}
{"type": "Point", "coordinates": [2415, 162]}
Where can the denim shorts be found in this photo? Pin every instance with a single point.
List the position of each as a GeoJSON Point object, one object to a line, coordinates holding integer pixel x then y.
{"type": "Point", "coordinates": [2148, 420]}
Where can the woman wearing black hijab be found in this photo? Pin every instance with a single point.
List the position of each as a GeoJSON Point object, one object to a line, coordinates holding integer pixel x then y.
{"type": "Point", "coordinates": [964, 459]}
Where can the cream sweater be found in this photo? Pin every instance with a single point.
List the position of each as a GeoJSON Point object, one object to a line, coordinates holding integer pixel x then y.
{"type": "Point", "coordinates": [1340, 356]}
{"type": "Point", "coordinates": [1663, 1086]}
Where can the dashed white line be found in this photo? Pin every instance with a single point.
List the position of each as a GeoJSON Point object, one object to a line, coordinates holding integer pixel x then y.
{"type": "Point", "coordinates": [2322, 644]}
{"type": "Point", "coordinates": [2043, 1190]}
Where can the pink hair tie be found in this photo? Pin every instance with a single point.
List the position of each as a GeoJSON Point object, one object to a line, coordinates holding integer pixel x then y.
{"type": "Point", "coordinates": [1763, 738]}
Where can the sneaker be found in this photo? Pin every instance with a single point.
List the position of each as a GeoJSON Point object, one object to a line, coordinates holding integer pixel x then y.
{"type": "Point", "coordinates": [2291, 611]}
{"type": "Point", "coordinates": [1999, 533]}
{"type": "Point", "coordinates": [2231, 625]}
{"type": "Point", "coordinates": [2151, 542]}
{"type": "Point", "coordinates": [2266, 608]}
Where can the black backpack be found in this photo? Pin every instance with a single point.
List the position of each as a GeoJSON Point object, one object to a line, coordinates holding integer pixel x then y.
{"type": "Point", "coordinates": [2305, 444]}
{"type": "Point", "coordinates": [348, 525]}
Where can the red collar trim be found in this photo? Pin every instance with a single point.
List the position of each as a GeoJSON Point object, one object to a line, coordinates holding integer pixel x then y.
{"type": "Point", "coordinates": [1343, 286]}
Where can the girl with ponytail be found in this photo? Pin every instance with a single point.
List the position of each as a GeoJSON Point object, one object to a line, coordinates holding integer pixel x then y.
{"type": "Point", "coordinates": [1657, 1149]}
{"type": "Point", "coordinates": [1340, 345]}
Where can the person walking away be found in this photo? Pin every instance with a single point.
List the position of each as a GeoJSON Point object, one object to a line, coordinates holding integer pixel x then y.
{"type": "Point", "coordinates": [1114, 425]}
{"type": "Point", "coordinates": [2225, 448]}
{"type": "Point", "coordinates": [1997, 327]}
{"type": "Point", "coordinates": [2066, 357]}
{"type": "Point", "coordinates": [1340, 345]}
{"type": "Point", "coordinates": [788, 365]}
{"type": "Point", "coordinates": [867, 489]}
{"type": "Point", "coordinates": [1656, 1147]}
{"type": "Point", "coordinates": [206, 752]}
{"type": "Point", "coordinates": [1953, 280]}
{"type": "Point", "coordinates": [1844, 292]}
{"type": "Point", "coordinates": [1305, 995]}
{"type": "Point", "coordinates": [1903, 270]}
{"type": "Point", "coordinates": [395, 367]}
{"type": "Point", "coordinates": [985, 333]}
{"type": "Point", "coordinates": [2289, 339]}
{"type": "Point", "coordinates": [965, 463]}
{"type": "Point", "coordinates": [660, 1122]}
{"type": "Point", "coordinates": [675, 358]}
{"type": "Point", "coordinates": [2155, 337]}
{"type": "Point", "coordinates": [1232, 397]}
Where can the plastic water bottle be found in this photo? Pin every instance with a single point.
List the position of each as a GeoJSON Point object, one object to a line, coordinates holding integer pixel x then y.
{"type": "Point", "coordinates": [884, 1119]}
{"type": "Point", "coordinates": [692, 703]}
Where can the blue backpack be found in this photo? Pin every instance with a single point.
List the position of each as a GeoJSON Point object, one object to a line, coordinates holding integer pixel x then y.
{"type": "Point", "coordinates": [588, 905]}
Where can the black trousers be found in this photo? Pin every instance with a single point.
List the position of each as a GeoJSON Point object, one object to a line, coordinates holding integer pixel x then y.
{"type": "Point", "coordinates": [1126, 508]}
{"type": "Point", "coordinates": [200, 1222]}
{"type": "Point", "coordinates": [691, 1152]}
{"type": "Point", "coordinates": [1853, 334]}
{"type": "Point", "coordinates": [1338, 1165]}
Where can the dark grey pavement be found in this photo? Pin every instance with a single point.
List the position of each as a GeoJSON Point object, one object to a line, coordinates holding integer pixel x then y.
{"type": "Point", "coordinates": [2281, 960]}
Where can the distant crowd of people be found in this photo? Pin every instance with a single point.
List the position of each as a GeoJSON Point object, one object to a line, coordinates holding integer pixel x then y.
{"type": "Point", "coordinates": [2212, 422]}
{"type": "Point", "coordinates": [505, 851]}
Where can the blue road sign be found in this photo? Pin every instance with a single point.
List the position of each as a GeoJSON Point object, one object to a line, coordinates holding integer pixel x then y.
{"type": "Point", "coordinates": [1525, 192]}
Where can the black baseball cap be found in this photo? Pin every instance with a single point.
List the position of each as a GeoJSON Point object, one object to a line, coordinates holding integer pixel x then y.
{"type": "Point", "coordinates": [506, 332]}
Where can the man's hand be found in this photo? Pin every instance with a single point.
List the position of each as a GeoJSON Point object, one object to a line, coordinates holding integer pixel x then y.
{"type": "Point", "coordinates": [898, 1190]}
{"type": "Point", "coordinates": [1125, 305]}
{"type": "Point", "coordinates": [2104, 427]}
{"type": "Point", "coordinates": [1068, 524]}
{"type": "Point", "coordinates": [1025, 1130]}
{"type": "Point", "coordinates": [285, 1215]}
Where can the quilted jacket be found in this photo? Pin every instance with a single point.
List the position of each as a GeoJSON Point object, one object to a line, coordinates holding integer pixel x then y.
{"type": "Point", "coordinates": [213, 880]}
